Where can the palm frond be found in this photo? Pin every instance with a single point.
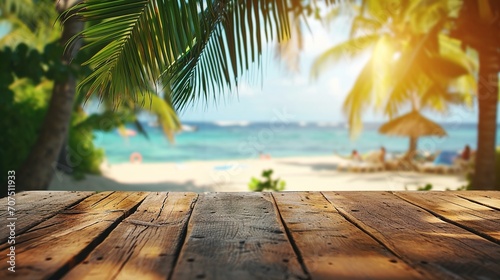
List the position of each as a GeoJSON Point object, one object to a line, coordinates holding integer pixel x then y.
{"type": "Point", "coordinates": [166, 115]}
{"type": "Point", "coordinates": [196, 48]}
{"type": "Point", "coordinates": [288, 51]}
{"type": "Point", "coordinates": [358, 99]}
{"type": "Point", "coordinates": [232, 41]}
{"type": "Point", "coordinates": [348, 49]}
{"type": "Point", "coordinates": [137, 41]}
{"type": "Point", "coordinates": [105, 121]}
{"type": "Point", "coordinates": [452, 49]}
{"type": "Point", "coordinates": [382, 56]}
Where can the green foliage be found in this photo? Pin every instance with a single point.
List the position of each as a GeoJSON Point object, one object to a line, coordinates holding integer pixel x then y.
{"type": "Point", "coordinates": [462, 188]}
{"type": "Point", "coordinates": [84, 156]}
{"type": "Point", "coordinates": [21, 119]}
{"type": "Point", "coordinates": [427, 187]}
{"type": "Point", "coordinates": [267, 183]}
{"type": "Point", "coordinates": [26, 76]}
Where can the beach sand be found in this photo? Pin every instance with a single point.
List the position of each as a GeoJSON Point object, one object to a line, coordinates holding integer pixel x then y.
{"type": "Point", "coordinates": [300, 174]}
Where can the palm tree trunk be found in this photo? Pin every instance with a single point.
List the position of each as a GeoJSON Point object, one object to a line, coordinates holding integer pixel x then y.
{"type": "Point", "coordinates": [413, 148]}
{"type": "Point", "coordinates": [38, 169]}
{"type": "Point", "coordinates": [489, 66]}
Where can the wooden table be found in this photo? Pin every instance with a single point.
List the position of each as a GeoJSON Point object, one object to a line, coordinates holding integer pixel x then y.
{"type": "Point", "coordinates": [288, 235]}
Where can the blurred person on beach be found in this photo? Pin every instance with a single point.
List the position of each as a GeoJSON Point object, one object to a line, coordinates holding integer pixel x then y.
{"type": "Point", "coordinates": [355, 155]}
{"type": "Point", "coordinates": [382, 154]}
{"type": "Point", "coordinates": [264, 156]}
{"type": "Point", "coordinates": [465, 159]}
{"type": "Point", "coordinates": [466, 153]}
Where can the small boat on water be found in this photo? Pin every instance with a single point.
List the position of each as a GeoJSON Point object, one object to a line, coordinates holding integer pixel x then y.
{"type": "Point", "coordinates": [188, 128]}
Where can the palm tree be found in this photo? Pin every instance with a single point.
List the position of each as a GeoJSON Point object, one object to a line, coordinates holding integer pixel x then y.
{"type": "Point", "coordinates": [478, 26]}
{"type": "Point", "coordinates": [37, 170]}
{"type": "Point", "coordinates": [412, 65]}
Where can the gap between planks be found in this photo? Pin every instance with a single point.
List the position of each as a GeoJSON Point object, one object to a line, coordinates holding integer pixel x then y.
{"type": "Point", "coordinates": [332, 246]}
{"type": "Point", "coordinates": [429, 201]}
{"type": "Point", "coordinates": [290, 238]}
{"type": "Point", "coordinates": [144, 245]}
{"type": "Point", "coordinates": [419, 237]}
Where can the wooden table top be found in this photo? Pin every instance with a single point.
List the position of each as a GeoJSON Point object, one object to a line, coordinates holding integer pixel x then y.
{"type": "Point", "coordinates": [286, 235]}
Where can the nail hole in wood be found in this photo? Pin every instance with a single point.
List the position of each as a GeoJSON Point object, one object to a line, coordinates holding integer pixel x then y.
{"type": "Point", "coordinates": [198, 236]}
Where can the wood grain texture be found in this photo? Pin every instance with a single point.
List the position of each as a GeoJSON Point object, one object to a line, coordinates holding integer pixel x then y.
{"type": "Point", "coordinates": [422, 240]}
{"type": "Point", "coordinates": [474, 217]}
{"type": "Point", "coordinates": [236, 236]}
{"type": "Point", "coordinates": [486, 198]}
{"type": "Point", "coordinates": [144, 245]}
{"type": "Point", "coordinates": [53, 246]}
{"type": "Point", "coordinates": [34, 207]}
{"type": "Point", "coordinates": [332, 247]}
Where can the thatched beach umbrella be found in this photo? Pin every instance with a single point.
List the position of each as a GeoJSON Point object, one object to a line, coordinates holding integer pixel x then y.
{"type": "Point", "coordinates": [413, 125]}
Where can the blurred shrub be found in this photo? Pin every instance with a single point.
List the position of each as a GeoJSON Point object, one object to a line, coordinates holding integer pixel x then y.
{"type": "Point", "coordinates": [267, 183]}
{"type": "Point", "coordinates": [21, 118]}
{"type": "Point", "coordinates": [427, 187]}
{"type": "Point", "coordinates": [84, 157]}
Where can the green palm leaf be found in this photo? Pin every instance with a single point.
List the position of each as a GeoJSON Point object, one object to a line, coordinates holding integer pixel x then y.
{"type": "Point", "coordinates": [137, 41]}
{"type": "Point", "coordinates": [167, 116]}
{"type": "Point", "coordinates": [231, 42]}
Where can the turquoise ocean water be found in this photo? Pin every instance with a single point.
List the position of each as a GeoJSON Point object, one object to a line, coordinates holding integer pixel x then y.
{"type": "Point", "coordinates": [241, 140]}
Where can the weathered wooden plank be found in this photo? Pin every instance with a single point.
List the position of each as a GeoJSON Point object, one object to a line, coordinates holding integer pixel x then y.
{"type": "Point", "coordinates": [472, 216]}
{"type": "Point", "coordinates": [144, 245]}
{"type": "Point", "coordinates": [236, 236]}
{"type": "Point", "coordinates": [333, 248]}
{"type": "Point", "coordinates": [487, 198]}
{"type": "Point", "coordinates": [32, 208]}
{"type": "Point", "coordinates": [420, 238]}
{"type": "Point", "coordinates": [52, 247]}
